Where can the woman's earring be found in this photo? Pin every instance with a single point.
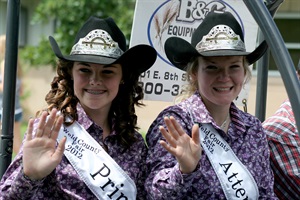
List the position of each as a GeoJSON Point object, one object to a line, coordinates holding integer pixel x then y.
{"type": "Point", "coordinates": [122, 82]}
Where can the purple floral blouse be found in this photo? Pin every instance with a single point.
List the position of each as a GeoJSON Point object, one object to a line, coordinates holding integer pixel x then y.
{"type": "Point", "coordinates": [245, 136]}
{"type": "Point", "coordinates": [64, 182]}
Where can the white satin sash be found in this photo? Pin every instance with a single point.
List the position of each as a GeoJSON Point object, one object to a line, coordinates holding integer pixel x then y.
{"type": "Point", "coordinates": [97, 169]}
{"type": "Point", "coordinates": [236, 181]}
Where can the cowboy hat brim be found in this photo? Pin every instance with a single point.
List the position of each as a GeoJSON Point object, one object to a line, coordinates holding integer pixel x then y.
{"type": "Point", "coordinates": [138, 58]}
{"type": "Point", "coordinates": [180, 52]}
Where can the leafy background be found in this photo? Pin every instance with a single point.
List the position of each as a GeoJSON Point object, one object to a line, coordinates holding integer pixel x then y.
{"type": "Point", "coordinates": [69, 16]}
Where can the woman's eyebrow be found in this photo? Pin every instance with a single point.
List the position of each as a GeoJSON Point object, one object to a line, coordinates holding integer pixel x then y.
{"type": "Point", "coordinates": [109, 65]}
{"type": "Point", "coordinates": [84, 63]}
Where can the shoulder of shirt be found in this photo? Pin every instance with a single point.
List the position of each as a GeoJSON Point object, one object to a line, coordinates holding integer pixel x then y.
{"type": "Point", "coordinates": [243, 117]}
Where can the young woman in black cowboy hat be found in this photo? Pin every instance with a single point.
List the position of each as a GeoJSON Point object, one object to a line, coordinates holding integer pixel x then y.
{"type": "Point", "coordinates": [205, 147]}
{"type": "Point", "coordinates": [85, 145]}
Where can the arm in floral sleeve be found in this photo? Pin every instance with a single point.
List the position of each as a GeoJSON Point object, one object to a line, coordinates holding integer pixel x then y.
{"type": "Point", "coordinates": [141, 177]}
{"type": "Point", "coordinates": [166, 180]}
{"type": "Point", "coordinates": [14, 185]}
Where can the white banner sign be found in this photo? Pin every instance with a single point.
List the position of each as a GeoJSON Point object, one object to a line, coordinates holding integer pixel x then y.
{"type": "Point", "coordinates": [157, 20]}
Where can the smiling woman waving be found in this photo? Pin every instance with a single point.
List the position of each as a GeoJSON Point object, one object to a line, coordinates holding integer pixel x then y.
{"type": "Point", "coordinates": [205, 147]}
{"type": "Point", "coordinates": [85, 145]}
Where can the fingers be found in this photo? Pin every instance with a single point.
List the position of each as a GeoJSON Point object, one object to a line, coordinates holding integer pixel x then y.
{"type": "Point", "coordinates": [177, 126]}
{"type": "Point", "coordinates": [46, 125]}
{"type": "Point", "coordinates": [53, 124]}
{"type": "Point", "coordinates": [195, 134]}
{"type": "Point", "coordinates": [173, 127]}
{"type": "Point", "coordinates": [174, 130]}
{"type": "Point", "coordinates": [41, 124]}
{"type": "Point", "coordinates": [29, 130]}
{"type": "Point", "coordinates": [168, 147]}
{"type": "Point", "coordinates": [60, 149]}
{"type": "Point", "coordinates": [168, 136]}
{"type": "Point", "coordinates": [56, 127]}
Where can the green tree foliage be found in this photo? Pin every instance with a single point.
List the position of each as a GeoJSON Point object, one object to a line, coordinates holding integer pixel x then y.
{"type": "Point", "coordinates": [69, 16]}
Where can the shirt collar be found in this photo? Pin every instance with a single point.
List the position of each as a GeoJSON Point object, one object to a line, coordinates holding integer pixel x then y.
{"type": "Point", "coordinates": [198, 110]}
{"type": "Point", "coordinates": [200, 113]}
{"type": "Point", "coordinates": [86, 121]}
{"type": "Point", "coordinates": [83, 118]}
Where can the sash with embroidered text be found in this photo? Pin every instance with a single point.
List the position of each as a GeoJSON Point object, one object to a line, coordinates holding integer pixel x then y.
{"type": "Point", "coordinates": [97, 169]}
{"type": "Point", "coordinates": [236, 181]}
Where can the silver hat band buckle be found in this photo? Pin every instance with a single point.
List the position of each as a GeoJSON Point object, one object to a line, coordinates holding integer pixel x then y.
{"type": "Point", "coordinates": [221, 37]}
{"type": "Point", "coordinates": [97, 42]}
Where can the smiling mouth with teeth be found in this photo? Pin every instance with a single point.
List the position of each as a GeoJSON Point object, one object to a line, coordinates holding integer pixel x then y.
{"type": "Point", "coordinates": [95, 91]}
{"type": "Point", "coordinates": [222, 89]}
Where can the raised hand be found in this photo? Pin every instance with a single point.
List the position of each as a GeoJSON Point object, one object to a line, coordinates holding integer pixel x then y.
{"type": "Point", "coordinates": [186, 149]}
{"type": "Point", "coordinates": [40, 155]}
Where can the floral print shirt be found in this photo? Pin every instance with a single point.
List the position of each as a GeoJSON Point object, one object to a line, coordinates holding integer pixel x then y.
{"type": "Point", "coordinates": [245, 136]}
{"type": "Point", "coordinates": [64, 182]}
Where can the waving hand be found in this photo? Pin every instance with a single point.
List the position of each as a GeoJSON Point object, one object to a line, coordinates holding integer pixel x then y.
{"type": "Point", "coordinates": [186, 149]}
{"type": "Point", "coordinates": [40, 155]}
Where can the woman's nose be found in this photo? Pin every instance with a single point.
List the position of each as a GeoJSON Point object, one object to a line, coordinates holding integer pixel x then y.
{"type": "Point", "coordinates": [224, 74]}
{"type": "Point", "coordinates": [95, 79]}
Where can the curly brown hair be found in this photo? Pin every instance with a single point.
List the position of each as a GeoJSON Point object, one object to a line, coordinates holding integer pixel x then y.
{"type": "Point", "coordinates": [122, 111]}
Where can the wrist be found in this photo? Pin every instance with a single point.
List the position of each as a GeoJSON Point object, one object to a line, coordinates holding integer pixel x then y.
{"type": "Point", "coordinates": [188, 171]}
{"type": "Point", "coordinates": [32, 181]}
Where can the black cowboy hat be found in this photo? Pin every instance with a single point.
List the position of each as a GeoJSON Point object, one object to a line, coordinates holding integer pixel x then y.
{"type": "Point", "coordinates": [101, 41]}
{"type": "Point", "coordinates": [219, 34]}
